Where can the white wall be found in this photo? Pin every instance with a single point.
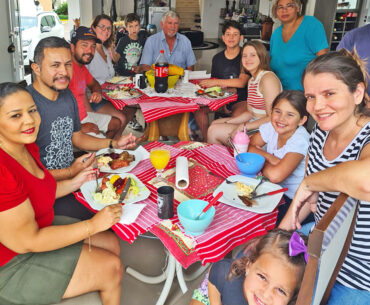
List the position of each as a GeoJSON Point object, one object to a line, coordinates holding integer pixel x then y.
{"type": "Point", "coordinates": [211, 17]}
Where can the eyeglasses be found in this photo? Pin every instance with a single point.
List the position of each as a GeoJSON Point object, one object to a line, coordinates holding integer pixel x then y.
{"type": "Point", "coordinates": [104, 28]}
{"type": "Point", "coordinates": [289, 6]}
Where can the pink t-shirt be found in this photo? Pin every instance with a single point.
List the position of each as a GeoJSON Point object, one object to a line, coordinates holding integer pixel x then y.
{"type": "Point", "coordinates": [81, 77]}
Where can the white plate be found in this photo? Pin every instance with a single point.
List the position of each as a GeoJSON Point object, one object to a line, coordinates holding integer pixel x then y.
{"type": "Point", "coordinates": [125, 169]}
{"type": "Point", "coordinates": [265, 204]}
{"type": "Point", "coordinates": [88, 188]}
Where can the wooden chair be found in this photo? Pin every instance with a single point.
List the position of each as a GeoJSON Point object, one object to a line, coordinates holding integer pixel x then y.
{"type": "Point", "coordinates": [328, 246]}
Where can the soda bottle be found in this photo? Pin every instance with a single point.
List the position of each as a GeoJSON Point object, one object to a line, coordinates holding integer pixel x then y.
{"type": "Point", "coordinates": [241, 142]}
{"type": "Point", "coordinates": [161, 73]}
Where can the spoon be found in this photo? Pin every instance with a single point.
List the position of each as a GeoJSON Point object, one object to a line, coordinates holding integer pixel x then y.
{"type": "Point", "coordinates": [208, 206]}
{"type": "Point", "coordinates": [234, 147]}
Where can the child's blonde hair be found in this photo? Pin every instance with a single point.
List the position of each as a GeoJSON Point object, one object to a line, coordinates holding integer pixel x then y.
{"type": "Point", "coordinates": [275, 242]}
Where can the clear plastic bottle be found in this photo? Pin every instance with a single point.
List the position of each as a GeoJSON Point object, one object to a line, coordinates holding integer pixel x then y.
{"type": "Point", "coordinates": [161, 73]}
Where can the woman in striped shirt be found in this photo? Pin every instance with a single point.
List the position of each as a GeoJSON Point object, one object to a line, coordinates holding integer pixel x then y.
{"type": "Point", "coordinates": [263, 87]}
{"type": "Point", "coordinates": [335, 87]}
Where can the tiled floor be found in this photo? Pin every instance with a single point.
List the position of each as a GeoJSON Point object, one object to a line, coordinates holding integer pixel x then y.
{"type": "Point", "coordinates": [148, 255]}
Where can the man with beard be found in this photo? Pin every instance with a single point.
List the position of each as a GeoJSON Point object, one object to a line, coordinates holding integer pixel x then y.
{"type": "Point", "coordinates": [177, 47]}
{"type": "Point", "coordinates": [83, 44]}
{"type": "Point", "coordinates": [60, 127]}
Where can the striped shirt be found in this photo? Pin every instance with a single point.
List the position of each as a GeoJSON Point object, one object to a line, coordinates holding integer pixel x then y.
{"type": "Point", "coordinates": [355, 272]}
{"type": "Point", "coordinates": [255, 98]}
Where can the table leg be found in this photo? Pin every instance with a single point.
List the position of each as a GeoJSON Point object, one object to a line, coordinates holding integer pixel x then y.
{"type": "Point", "coordinates": [183, 132]}
{"type": "Point", "coordinates": [153, 131]}
{"type": "Point", "coordinates": [173, 267]}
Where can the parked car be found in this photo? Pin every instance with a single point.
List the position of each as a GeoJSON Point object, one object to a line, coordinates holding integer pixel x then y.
{"type": "Point", "coordinates": [36, 27]}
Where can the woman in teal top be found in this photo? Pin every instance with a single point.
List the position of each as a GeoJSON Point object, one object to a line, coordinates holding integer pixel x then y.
{"type": "Point", "coordinates": [295, 43]}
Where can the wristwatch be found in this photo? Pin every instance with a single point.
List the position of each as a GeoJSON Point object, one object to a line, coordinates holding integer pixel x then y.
{"type": "Point", "coordinates": [111, 144]}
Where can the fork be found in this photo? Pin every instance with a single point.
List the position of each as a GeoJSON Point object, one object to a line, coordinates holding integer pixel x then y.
{"type": "Point", "coordinates": [254, 192]}
{"type": "Point", "coordinates": [226, 180]}
{"type": "Point", "coordinates": [98, 188]}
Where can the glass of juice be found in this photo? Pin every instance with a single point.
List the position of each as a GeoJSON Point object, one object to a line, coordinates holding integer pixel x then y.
{"type": "Point", "coordinates": [159, 158]}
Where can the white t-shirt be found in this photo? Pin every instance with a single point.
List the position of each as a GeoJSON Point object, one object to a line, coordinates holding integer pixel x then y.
{"type": "Point", "coordinates": [297, 143]}
{"type": "Point", "coordinates": [102, 71]}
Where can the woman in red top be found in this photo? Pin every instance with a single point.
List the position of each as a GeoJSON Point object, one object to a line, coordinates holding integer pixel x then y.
{"type": "Point", "coordinates": [41, 263]}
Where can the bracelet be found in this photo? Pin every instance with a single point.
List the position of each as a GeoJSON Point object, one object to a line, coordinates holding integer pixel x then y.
{"type": "Point", "coordinates": [70, 172]}
{"type": "Point", "coordinates": [111, 144]}
{"type": "Point", "coordinates": [88, 234]}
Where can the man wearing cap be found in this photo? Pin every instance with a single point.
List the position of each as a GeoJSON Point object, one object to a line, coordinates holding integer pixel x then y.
{"type": "Point", "coordinates": [83, 44]}
{"type": "Point", "coordinates": [60, 127]}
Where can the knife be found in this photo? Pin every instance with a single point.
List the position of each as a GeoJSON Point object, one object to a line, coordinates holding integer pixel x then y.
{"type": "Point", "coordinates": [125, 190]}
{"type": "Point", "coordinates": [270, 193]}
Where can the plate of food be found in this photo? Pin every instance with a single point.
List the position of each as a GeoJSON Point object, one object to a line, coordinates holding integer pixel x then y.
{"type": "Point", "coordinates": [111, 188]}
{"type": "Point", "coordinates": [120, 80]}
{"type": "Point", "coordinates": [243, 186]}
{"type": "Point", "coordinates": [117, 160]}
{"type": "Point", "coordinates": [122, 93]}
{"type": "Point", "coordinates": [214, 92]}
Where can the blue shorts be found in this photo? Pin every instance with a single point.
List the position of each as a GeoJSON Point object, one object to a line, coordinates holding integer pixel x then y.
{"type": "Point", "coordinates": [342, 295]}
{"type": "Point", "coordinates": [97, 106]}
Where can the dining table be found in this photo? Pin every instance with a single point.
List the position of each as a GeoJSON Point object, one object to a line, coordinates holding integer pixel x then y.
{"type": "Point", "coordinates": [167, 114]}
{"type": "Point", "coordinates": [231, 226]}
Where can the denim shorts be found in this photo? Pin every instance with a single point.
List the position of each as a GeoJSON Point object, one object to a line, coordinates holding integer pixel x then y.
{"type": "Point", "coordinates": [342, 295]}
{"type": "Point", "coordinates": [97, 106]}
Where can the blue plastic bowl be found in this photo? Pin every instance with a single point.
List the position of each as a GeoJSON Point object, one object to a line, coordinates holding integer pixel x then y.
{"type": "Point", "coordinates": [250, 163]}
{"type": "Point", "coordinates": [188, 210]}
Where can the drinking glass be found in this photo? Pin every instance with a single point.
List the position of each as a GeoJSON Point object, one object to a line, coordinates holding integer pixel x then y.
{"type": "Point", "coordinates": [159, 158]}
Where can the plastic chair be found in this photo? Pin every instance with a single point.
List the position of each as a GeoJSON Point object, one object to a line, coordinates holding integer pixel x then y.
{"type": "Point", "coordinates": [328, 246]}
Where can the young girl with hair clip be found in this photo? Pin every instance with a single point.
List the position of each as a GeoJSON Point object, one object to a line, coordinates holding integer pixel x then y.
{"type": "Point", "coordinates": [263, 87]}
{"type": "Point", "coordinates": [338, 161]}
{"type": "Point", "coordinates": [270, 274]}
{"type": "Point", "coordinates": [286, 143]}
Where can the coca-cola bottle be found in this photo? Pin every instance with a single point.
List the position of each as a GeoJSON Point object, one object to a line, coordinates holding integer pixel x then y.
{"type": "Point", "coordinates": [161, 73]}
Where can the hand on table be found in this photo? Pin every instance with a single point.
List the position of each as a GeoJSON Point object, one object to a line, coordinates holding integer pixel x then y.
{"type": "Point", "coordinates": [206, 83]}
{"type": "Point", "coordinates": [126, 142]}
{"type": "Point", "coordinates": [90, 127]}
{"type": "Point", "coordinates": [136, 69]}
{"type": "Point", "coordinates": [95, 97]}
{"type": "Point", "coordinates": [106, 218]}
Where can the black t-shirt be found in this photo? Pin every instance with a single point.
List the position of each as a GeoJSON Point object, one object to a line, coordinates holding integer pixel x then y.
{"type": "Point", "coordinates": [231, 291]}
{"type": "Point", "coordinates": [224, 68]}
{"type": "Point", "coordinates": [130, 51]}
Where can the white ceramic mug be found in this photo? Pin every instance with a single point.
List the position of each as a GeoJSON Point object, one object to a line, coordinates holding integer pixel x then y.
{"type": "Point", "coordinates": [137, 78]}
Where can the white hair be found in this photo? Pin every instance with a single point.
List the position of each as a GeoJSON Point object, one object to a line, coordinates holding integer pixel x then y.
{"type": "Point", "coordinates": [171, 14]}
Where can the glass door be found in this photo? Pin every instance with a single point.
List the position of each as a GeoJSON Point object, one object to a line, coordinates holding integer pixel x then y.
{"type": "Point", "coordinates": [15, 46]}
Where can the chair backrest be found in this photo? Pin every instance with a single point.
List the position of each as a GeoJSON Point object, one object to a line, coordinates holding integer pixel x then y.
{"type": "Point", "coordinates": [327, 246]}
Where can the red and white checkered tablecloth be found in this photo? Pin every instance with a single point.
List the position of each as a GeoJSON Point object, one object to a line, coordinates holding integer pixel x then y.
{"type": "Point", "coordinates": [158, 107]}
{"type": "Point", "coordinates": [230, 227]}
{"type": "Point", "coordinates": [155, 108]}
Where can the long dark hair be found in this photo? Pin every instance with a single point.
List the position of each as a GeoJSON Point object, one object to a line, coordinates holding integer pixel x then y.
{"type": "Point", "coordinates": [275, 242]}
{"type": "Point", "coordinates": [96, 21]}
{"type": "Point", "coordinates": [345, 66]}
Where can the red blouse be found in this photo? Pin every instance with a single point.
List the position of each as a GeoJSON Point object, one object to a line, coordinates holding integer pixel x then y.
{"type": "Point", "coordinates": [17, 184]}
